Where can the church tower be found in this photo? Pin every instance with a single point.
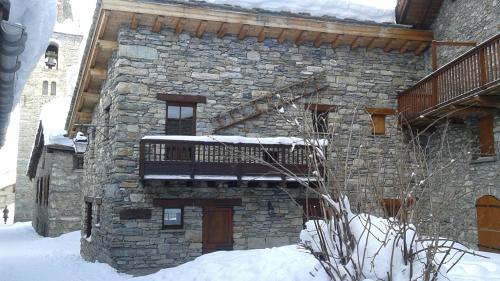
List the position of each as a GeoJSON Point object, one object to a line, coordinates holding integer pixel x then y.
{"type": "Point", "coordinates": [47, 82]}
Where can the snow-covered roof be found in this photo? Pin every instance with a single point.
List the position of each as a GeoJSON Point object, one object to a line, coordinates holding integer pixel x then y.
{"type": "Point", "coordinates": [381, 11]}
{"type": "Point", "coordinates": [234, 139]}
{"type": "Point", "coordinates": [52, 117]}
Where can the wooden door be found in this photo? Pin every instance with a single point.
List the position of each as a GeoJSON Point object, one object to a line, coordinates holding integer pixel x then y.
{"type": "Point", "coordinates": [488, 223]}
{"type": "Point", "coordinates": [217, 229]}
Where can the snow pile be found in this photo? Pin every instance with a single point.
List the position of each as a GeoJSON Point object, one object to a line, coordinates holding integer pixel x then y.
{"type": "Point", "coordinates": [382, 11]}
{"type": "Point", "coordinates": [25, 256]}
{"type": "Point", "coordinates": [378, 247]}
{"type": "Point", "coordinates": [53, 117]}
{"type": "Point", "coordinates": [236, 139]}
{"type": "Point", "coordinates": [38, 16]}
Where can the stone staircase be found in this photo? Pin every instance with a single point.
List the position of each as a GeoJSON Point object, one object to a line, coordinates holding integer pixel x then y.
{"type": "Point", "coordinates": [270, 101]}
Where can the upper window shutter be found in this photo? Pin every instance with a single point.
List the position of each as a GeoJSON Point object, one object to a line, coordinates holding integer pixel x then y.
{"type": "Point", "coordinates": [486, 136]}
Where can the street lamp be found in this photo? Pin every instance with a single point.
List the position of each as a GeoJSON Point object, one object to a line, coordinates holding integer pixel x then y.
{"type": "Point", "coordinates": [80, 143]}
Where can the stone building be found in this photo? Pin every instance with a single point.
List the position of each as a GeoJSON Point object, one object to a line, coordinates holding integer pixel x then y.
{"type": "Point", "coordinates": [154, 71]}
{"type": "Point", "coordinates": [47, 81]}
{"type": "Point", "coordinates": [7, 195]}
{"type": "Point", "coordinates": [464, 109]}
{"type": "Point", "coordinates": [55, 173]}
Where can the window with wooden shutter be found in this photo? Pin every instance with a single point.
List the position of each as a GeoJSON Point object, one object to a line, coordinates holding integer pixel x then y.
{"type": "Point", "coordinates": [320, 116]}
{"type": "Point", "coordinates": [486, 136]}
{"type": "Point", "coordinates": [378, 119]}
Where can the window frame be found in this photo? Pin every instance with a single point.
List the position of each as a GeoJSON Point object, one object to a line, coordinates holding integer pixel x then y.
{"type": "Point", "coordinates": [176, 226]}
{"type": "Point", "coordinates": [193, 105]}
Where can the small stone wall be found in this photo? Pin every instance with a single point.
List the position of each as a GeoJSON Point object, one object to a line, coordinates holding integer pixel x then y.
{"type": "Point", "coordinates": [62, 214]}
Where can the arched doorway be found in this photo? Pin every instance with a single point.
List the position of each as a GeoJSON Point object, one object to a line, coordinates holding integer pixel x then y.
{"type": "Point", "coordinates": [488, 223]}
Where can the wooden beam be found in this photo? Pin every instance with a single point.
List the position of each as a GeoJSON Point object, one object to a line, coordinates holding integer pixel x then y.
{"type": "Point", "coordinates": [487, 101]}
{"type": "Point", "coordinates": [300, 38]}
{"type": "Point", "coordinates": [405, 46]}
{"type": "Point", "coordinates": [91, 97]}
{"type": "Point", "coordinates": [336, 41]}
{"type": "Point", "coordinates": [196, 202]}
{"type": "Point", "coordinates": [319, 40]}
{"type": "Point", "coordinates": [355, 43]}
{"type": "Point", "coordinates": [387, 46]}
{"type": "Point", "coordinates": [182, 98]}
{"type": "Point", "coordinates": [371, 44]}
{"type": "Point", "coordinates": [200, 30]}
{"type": "Point", "coordinates": [456, 43]}
{"type": "Point", "coordinates": [107, 45]}
{"type": "Point", "coordinates": [281, 38]}
{"type": "Point", "coordinates": [421, 48]}
{"type": "Point", "coordinates": [380, 111]}
{"type": "Point", "coordinates": [243, 32]}
{"type": "Point", "coordinates": [262, 35]}
{"type": "Point", "coordinates": [98, 73]}
{"type": "Point", "coordinates": [467, 111]}
{"type": "Point", "coordinates": [179, 25]}
{"type": "Point", "coordinates": [222, 30]}
{"type": "Point", "coordinates": [158, 24]}
{"type": "Point", "coordinates": [84, 117]}
{"type": "Point", "coordinates": [104, 24]}
{"type": "Point", "coordinates": [134, 23]}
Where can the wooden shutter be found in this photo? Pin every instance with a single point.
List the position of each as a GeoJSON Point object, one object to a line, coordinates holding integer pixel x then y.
{"type": "Point", "coordinates": [486, 136]}
{"type": "Point", "coordinates": [378, 124]}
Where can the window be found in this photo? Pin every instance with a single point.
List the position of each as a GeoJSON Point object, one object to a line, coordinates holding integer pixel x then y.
{"type": "Point", "coordinates": [77, 161]}
{"type": "Point", "coordinates": [88, 219]}
{"type": "Point", "coordinates": [52, 56]}
{"type": "Point", "coordinates": [181, 119]}
{"type": "Point", "coordinates": [173, 218]}
{"type": "Point", "coordinates": [378, 119]}
{"type": "Point", "coordinates": [320, 114]}
{"type": "Point", "coordinates": [486, 136]}
{"type": "Point", "coordinates": [53, 88]}
{"type": "Point", "coordinates": [45, 88]}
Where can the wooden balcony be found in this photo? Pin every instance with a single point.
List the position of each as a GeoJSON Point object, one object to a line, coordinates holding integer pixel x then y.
{"type": "Point", "coordinates": [182, 159]}
{"type": "Point", "coordinates": [470, 84]}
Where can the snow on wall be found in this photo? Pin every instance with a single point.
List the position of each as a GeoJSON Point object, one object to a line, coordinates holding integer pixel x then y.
{"type": "Point", "coordinates": [364, 10]}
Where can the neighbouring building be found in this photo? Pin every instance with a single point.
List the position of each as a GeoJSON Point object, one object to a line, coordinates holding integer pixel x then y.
{"type": "Point", "coordinates": [55, 172]}
{"type": "Point", "coordinates": [461, 99]}
{"type": "Point", "coordinates": [7, 195]}
{"type": "Point", "coordinates": [158, 77]}
{"type": "Point", "coordinates": [47, 81]}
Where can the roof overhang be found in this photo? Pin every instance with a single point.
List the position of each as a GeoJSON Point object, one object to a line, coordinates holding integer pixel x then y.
{"type": "Point", "coordinates": [222, 21]}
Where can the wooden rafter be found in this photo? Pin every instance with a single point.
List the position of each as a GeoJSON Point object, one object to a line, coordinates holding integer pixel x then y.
{"type": "Point", "coordinates": [179, 25]}
{"type": "Point", "coordinates": [421, 48]}
{"type": "Point", "coordinates": [107, 45]}
{"type": "Point", "coordinates": [158, 24]}
{"type": "Point", "coordinates": [404, 46]}
{"type": "Point", "coordinates": [336, 41]}
{"type": "Point", "coordinates": [262, 35]}
{"type": "Point", "coordinates": [355, 43]}
{"type": "Point", "coordinates": [243, 31]}
{"type": "Point", "coordinates": [134, 22]}
{"type": "Point", "coordinates": [200, 30]}
{"type": "Point", "coordinates": [371, 44]}
{"type": "Point", "coordinates": [222, 30]}
{"type": "Point", "coordinates": [319, 40]}
{"type": "Point", "coordinates": [281, 38]}
{"type": "Point", "coordinates": [300, 38]}
{"type": "Point", "coordinates": [387, 46]}
{"type": "Point", "coordinates": [98, 73]}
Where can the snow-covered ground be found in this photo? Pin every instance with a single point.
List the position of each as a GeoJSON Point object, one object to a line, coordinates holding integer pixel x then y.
{"type": "Point", "coordinates": [26, 256]}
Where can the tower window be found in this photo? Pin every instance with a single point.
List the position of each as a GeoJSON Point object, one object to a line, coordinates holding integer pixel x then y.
{"type": "Point", "coordinates": [45, 88]}
{"type": "Point", "coordinates": [53, 88]}
{"type": "Point", "coordinates": [52, 56]}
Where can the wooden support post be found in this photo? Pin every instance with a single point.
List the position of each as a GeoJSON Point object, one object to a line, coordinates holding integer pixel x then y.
{"type": "Point", "coordinates": [179, 25]}
{"type": "Point", "coordinates": [319, 40]}
{"type": "Point", "coordinates": [134, 23]}
{"type": "Point", "coordinates": [158, 24]}
{"type": "Point", "coordinates": [434, 55]}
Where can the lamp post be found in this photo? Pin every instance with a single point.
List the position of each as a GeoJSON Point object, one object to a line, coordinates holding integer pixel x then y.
{"type": "Point", "coordinates": [80, 143]}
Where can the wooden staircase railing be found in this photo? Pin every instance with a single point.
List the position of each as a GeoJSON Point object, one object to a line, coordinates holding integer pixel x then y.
{"type": "Point", "coordinates": [270, 101]}
{"type": "Point", "coordinates": [466, 76]}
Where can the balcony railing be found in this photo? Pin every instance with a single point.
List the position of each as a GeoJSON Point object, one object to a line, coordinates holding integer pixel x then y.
{"type": "Point", "coordinates": [470, 74]}
{"type": "Point", "coordinates": [220, 160]}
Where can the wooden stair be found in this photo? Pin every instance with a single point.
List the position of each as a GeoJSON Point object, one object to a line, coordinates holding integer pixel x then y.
{"type": "Point", "coordinates": [271, 101]}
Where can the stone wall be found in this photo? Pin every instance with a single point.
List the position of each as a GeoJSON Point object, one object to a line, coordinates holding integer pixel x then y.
{"type": "Point", "coordinates": [31, 102]}
{"type": "Point", "coordinates": [228, 72]}
{"type": "Point", "coordinates": [464, 20]}
{"type": "Point", "coordinates": [62, 214]}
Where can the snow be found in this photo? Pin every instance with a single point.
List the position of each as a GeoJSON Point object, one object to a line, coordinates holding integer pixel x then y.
{"type": "Point", "coordinates": [25, 256]}
{"type": "Point", "coordinates": [53, 117]}
{"type": "Point", "coordinates": [235, 139]}
{"type": "Point", "coordinates": [364, 10]}
{"type": "Point", "coordinates": [38, 16]}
